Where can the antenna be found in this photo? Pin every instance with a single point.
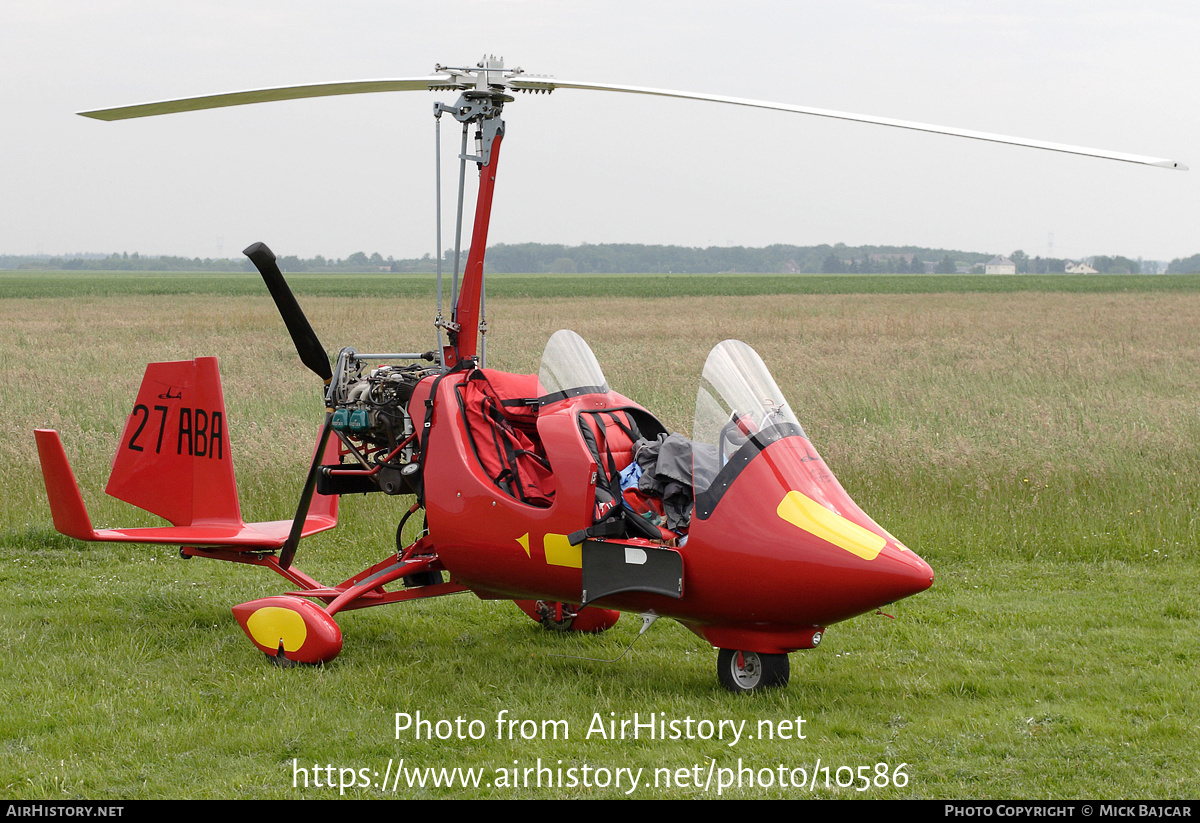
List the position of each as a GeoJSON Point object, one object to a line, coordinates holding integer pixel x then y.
{"type": "Point", "coordinates": [648, 619]}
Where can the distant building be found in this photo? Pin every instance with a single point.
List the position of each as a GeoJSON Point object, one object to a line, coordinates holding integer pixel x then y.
{"type": "Point", "coordinates": [1079, 268]}
{"type": "Point", "coordinates": [1000, 265]}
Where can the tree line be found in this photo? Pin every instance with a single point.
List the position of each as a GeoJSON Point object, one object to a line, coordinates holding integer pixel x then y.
{"type": "Point", "coordinates": [617, 258]}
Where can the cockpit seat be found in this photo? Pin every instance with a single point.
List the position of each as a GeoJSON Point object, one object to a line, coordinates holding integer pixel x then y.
{"type": "Point", "coordinates": [610, 436]}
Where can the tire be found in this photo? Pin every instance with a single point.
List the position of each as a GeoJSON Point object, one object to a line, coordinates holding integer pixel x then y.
{"type": "Point", "coordinates": [742, 672]}
{"type": "Point", "coordinates": [281, 660]}
{"type": "Point", "coordinates": [551, 622]}
{"type": "Point", "coordinates": [591, 620]}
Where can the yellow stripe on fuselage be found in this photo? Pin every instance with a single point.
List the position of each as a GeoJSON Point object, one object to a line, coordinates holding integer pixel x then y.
{"type": "Point", "coordinates": [807, 514]}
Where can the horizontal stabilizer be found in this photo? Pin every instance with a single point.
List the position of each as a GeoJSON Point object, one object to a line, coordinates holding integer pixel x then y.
{"type": "Point", "coordinates": [71, 517]}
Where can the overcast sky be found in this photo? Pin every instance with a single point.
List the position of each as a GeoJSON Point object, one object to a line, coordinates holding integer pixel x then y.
{"type": "Point", "coordinates": [337, 175]}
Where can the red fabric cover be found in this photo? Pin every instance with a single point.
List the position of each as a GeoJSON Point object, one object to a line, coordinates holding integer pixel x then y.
{"type": "Point", "coordinates": [507, 452]}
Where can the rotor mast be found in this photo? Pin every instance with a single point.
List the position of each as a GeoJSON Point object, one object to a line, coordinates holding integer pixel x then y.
{"type": "Point", "coordinates": [480, 107]}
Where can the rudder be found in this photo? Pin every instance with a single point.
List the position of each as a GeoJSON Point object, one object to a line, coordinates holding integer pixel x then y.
{"type": "Point", "coordinates": [174, 457]}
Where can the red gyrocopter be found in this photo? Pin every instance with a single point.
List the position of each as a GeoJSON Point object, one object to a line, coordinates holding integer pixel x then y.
{"type": "Point", "coordinates": [551, 490]}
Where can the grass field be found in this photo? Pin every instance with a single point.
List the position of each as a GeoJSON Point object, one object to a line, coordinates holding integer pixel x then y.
{"type": "Point", "coordinates": [1035, 439]}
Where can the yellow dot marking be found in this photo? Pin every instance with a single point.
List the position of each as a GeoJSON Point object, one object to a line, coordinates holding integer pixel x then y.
{"type": "Point", "coordinates": [807, 514]}
{"type": "Point", "coordinates": [560, 552]}
{"type": "Point", "coordinates": [271, 626]}
{"type": "Point", "coordinates": [524, 541]}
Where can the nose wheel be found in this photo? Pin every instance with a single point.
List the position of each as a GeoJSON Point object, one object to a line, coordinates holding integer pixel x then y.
{"type": "Point", "coordinates": [741, 672]}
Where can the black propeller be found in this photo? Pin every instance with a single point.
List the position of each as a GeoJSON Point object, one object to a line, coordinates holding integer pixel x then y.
{"type": "Point", "coordinates": [312, 354]}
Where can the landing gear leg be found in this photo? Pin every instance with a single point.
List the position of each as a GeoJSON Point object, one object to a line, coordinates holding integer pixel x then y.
{"type": "Point", "coordinates": [742, 672]}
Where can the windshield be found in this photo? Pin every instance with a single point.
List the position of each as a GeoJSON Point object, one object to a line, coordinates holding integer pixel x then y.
{"type": "Point", "coordinates": [569, 368]}
{"type": "Point", "coordinates": [739, 403]}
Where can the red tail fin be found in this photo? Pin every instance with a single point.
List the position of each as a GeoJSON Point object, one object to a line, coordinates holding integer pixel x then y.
{"type": "Point", "coordinates": [174, 458]}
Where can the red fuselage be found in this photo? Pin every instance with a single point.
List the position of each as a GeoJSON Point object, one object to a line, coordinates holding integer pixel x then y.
{"type": "Point", "coordinates": [776, 549]}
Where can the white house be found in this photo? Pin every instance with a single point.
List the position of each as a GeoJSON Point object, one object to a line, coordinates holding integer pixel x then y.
{"type": "Point", "coordinates": [1000, 265]}
{"type": "Point", "coordinates": [1079, 268]}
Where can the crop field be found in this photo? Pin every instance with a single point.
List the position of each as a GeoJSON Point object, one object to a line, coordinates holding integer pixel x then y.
{"type": "Point", "coordinates": [1035, 439]}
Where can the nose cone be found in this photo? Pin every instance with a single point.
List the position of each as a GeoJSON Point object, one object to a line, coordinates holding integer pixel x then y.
{"type": "Point", "coordinates": [817, 558]}
{"type": "Point", "coordinates": [870, 567]}
{"type": "Point", "coordinates": [903, 572]}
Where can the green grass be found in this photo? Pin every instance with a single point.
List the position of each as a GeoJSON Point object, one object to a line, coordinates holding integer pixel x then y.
{"type": "Point", "coordinates": [111, 284]}
{"type": "Point", "coordinates": [1007, 680]}
{"type": "Point", "coordinates": [1037, 447]}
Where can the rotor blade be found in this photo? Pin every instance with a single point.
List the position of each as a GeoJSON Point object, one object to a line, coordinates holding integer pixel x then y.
{"type": "Point", "coordinates": [522, 83]}
{"type": "Point", "coordinates": [463, 79]}
{"type": "Point", "coordinates": [243, 98]}
{"type": "Point", "coordinates": [311, 352]}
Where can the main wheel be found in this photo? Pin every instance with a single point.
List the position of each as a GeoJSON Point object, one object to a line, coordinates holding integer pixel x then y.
{"type": "Point", "coordinates": [556, 617]}
{"type": "Point", "coordinates": [742, 672]}
{"type": "Point", "coordinates": [564, 617]}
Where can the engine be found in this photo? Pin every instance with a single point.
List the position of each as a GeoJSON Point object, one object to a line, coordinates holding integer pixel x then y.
{"type": "Point", "coordinates": [371, 418]}
{"type": "Point", "coordinates": [372, 407]}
